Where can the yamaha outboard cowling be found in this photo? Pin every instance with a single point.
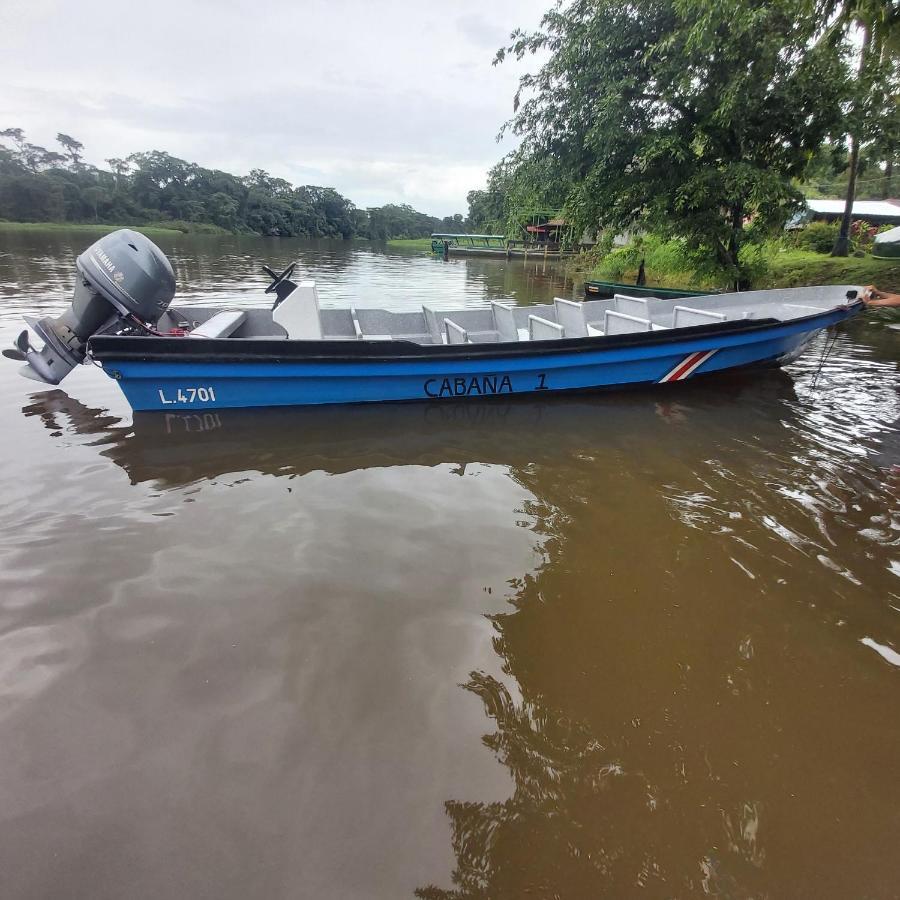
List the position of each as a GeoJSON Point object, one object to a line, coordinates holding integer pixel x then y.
{"type": "Point", "coordinates": [123, 276]}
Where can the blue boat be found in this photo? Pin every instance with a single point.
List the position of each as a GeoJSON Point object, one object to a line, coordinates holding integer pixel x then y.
{"type": "Point", "coordinates": [296, 354]}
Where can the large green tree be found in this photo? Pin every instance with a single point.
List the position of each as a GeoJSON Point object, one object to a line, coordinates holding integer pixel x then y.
{"type": "Point", "coordinates": [687, 117]}
{"type": "Point", "coordinates": [72, 148]}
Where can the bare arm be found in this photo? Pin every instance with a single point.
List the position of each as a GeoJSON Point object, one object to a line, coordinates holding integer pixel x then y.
{"type": "Point", "coordinates": [873, 297]}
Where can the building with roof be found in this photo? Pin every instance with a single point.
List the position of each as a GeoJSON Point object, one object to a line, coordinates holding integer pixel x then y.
{"type": "Point", "coordinates": [875, 212]}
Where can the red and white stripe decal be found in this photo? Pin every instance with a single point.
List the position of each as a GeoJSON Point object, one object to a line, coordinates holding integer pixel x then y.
{"type": "Point", "coordinates": [688, 366]}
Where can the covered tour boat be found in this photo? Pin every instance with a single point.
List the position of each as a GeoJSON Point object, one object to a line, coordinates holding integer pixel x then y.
{"type": "Point", "coordinates": [468, 243]}
{"type": "Point", "coordinates": [167, 357]}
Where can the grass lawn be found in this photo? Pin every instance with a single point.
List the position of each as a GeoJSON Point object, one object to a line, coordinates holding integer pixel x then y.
{"type": "Point", "coordinates": [160, 229]}
{"type": "Point", "coordinates": [84, 227]}
{"type": "Point", "coordinates": [795, 268]}
{"type": "Point", "coordinates": [786, 268]}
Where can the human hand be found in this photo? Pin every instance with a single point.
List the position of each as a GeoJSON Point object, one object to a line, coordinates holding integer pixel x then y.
{"type": "Point", "coordinates": [871, 296]}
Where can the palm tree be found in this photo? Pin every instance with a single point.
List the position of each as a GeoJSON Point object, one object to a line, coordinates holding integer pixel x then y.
{"type": "Point", "coordinates": [877, 23]}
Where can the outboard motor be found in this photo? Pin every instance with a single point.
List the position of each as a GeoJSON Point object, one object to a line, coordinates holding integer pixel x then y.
{"type": "Point", "coordinates": [122, 277]}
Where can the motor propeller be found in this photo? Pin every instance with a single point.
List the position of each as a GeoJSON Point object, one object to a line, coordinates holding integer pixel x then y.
{"type": "Point", "coordinates": [20, 348]}
{"type": "Point", "coordinates": [281, 284]}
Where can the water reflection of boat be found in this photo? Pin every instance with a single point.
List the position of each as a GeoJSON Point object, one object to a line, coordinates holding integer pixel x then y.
{"type": "Point", "coordinates": [183, 447]}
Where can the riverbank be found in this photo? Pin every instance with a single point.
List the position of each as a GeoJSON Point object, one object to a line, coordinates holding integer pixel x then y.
{"type": "Point", "coordinates": [786, 268]}
{"type": "Point", "coordinates": [160, 229]}
{"type": "Point", "coordinates": [794, 268]}
{"type": "Point", "coordinates": [410, 243]}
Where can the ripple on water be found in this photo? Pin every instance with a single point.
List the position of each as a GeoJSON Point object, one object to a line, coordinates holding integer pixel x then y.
{"type": "Point", "coordinates": [821, 491]}
{"type": "Point", "coordinates": [638, 640]}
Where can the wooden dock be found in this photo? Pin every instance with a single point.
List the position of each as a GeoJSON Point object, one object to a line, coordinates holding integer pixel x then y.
{"type": "Point", "coordinates": [498, 248]}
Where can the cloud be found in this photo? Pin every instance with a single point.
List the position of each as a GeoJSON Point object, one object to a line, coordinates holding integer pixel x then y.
{"type": "Point", "coordinates": [387, 103]}
{"type": "Point", "coordinates": [482, 32]}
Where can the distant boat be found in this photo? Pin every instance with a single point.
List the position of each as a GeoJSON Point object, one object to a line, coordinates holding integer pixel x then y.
{"type": "Point", "coordinates": [296, 354]}
{"type": "Point", "coordinates": [602, 289]}
{"type": "Point", "coordinates": [887, 244]}
{"type": "Point", "coordinates": [495, 245]}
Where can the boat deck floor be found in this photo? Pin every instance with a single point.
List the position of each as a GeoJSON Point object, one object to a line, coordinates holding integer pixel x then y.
{"type": "Point", "coordinates": [299, 317]}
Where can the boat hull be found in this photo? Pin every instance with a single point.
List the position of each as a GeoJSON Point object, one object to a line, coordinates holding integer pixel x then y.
{"type": "Point", "coordinates": [177, 374]}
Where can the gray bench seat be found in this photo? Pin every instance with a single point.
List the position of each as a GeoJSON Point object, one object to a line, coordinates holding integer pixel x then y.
{"type": "Point", "coordinates": [685, 316]}
{"type": "Point", "coordinates": [540, 329]}
{"type": "Point", "coordinates": [221, 325]}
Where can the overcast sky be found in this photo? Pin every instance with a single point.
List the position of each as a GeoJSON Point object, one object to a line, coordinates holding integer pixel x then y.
{"type": "Point", "coordinates": [390, 102]}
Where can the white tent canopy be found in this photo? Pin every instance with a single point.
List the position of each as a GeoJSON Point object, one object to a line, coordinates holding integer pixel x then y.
{"type": "Point", "coordinates": [881, 209]}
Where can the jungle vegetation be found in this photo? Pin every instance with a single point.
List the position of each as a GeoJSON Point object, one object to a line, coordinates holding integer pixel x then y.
{"type": "Point", "coordinates": [699, 120]}
{"type": "Point", "coordinates": [46, 185]}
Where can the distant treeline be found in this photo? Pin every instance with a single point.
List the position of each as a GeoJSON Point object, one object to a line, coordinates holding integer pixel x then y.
{"type": "Point", "coordinates": [41, 185]}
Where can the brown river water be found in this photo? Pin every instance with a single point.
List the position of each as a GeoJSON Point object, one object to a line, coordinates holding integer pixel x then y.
{"type": "Point", "coordinates": [636, 645]}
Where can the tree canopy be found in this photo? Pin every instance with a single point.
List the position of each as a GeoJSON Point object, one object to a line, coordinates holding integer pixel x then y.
{"type": "Point", "coordinates": [521, 181]}
{"type": "Point", "coordinates": [37, 184]}
{"type": "Point", "coordinates": [689, 118]}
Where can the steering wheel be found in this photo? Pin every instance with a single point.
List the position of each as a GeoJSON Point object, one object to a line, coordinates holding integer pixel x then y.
{"type": "Point", "coordinates": [277, 280]}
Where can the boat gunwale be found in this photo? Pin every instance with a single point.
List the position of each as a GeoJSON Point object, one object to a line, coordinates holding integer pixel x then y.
{"type": "Point", "coordinates": [147, 348]}
{"type": "Point", "coordinates": [645, 290]}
